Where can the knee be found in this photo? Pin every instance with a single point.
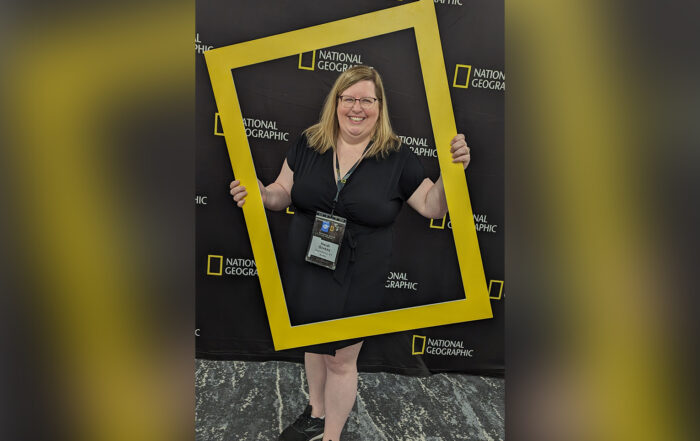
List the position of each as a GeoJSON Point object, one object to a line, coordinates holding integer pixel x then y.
{"type": "Point", "coordinates": [338, 366]}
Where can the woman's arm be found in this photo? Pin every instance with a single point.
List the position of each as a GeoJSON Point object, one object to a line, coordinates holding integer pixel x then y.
{"type": "Point", "coordinates": [429, 198]}
{"type": "Point", "coordinates": [276, 196]}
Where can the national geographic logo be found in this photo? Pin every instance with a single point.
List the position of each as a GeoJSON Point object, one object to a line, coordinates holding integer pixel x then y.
{"type": "Point", "coordinates": [263, 129]}
{"type": "Point", "coordinates": [200, 47]}
{"type": "Point", "coordinates": [481, 224]}
{"type": "Point", "coordinates": [479, 78]}
{"type": "Point", "coordinates": [255, 128]}
{"type": "Point", "coordinates": [218, 266]}
{"type": "Point", "coordinates": [332, 61]}
{"type": "Point", "coordinates": [447, 2]}
{"type": "Point", "coordinates": [400, 281]}
{"type": "Point", "coordinates": [419, 146]}
{"type": "Point", "coordinates": [447, 348]}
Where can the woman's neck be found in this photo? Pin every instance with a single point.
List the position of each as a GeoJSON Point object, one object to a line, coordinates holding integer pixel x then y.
{"type": "Point", "coordinates": [352, 142]}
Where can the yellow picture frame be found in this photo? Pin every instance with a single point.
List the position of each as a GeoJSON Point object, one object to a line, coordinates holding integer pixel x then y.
{"type": "Point", "coordinates": [421, 17]}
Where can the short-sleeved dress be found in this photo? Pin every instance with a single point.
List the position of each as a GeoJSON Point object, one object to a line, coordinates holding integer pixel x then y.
{"type": "Point", "coordinates": [370, 201]}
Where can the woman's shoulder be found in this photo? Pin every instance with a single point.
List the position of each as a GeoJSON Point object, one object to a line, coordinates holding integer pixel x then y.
{"type": "Point", "coordinates": [301, 151]}
{"type": "Point", "coordinates": [302, 143]}
{"type": "Point", "coordinates": [303, 138]}
{"type": "Point", "coordinates": [407, 161]}
{"type": "Point", "coordinates": [401, 154]}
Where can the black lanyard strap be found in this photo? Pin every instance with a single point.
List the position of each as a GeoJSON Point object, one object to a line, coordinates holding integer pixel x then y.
{"type": "Point", "coordinates": [340, 183]}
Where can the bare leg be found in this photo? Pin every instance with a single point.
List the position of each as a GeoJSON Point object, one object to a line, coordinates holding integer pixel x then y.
{"type": "Point", "coordinates": [341, 389]}
{"type": "Point", "coordinates": [315, 367]}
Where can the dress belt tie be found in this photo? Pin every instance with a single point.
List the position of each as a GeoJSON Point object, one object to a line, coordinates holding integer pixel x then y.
{"type": "Point", "coordinates": [345, 259]}
{"type": "Point", "coordinates": [352, 241]}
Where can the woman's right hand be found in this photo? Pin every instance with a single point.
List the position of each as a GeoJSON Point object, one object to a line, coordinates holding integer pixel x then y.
{"type": "Point", "coordinates": [239, 192]}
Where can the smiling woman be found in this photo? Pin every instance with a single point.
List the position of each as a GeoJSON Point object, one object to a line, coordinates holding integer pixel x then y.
{"type": "Point", "coordinates": [357, 122]}
{"type": "Point", "coordinates": [357, 113]}
{"type": "Point", "coordinates": [348, 177]}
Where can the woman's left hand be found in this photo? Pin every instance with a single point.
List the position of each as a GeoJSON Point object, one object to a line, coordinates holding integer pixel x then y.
{"type": "Point", "coordinates": [460, 150]}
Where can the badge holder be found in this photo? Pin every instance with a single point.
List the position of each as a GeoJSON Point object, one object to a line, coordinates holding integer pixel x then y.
{"type": "Point", "coordinates": [326, 238]}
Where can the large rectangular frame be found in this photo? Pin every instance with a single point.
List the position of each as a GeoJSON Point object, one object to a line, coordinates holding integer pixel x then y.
{"type": "Point", "coordinates": [421, 17]}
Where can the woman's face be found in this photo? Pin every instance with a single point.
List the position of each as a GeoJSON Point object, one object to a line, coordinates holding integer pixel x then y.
{"type": "Point", "coordinates": [357, 123]}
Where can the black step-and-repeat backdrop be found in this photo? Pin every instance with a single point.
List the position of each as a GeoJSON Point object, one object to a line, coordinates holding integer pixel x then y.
{"type": "Point", "coordinates": [279, 99]}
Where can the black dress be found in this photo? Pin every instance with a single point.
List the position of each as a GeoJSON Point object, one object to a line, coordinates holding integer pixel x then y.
{"type": "Point", "coordinates": [370, 201]}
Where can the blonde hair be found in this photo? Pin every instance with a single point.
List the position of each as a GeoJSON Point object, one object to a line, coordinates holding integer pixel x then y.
{"type": "Point", "coordinates": [322, 136]}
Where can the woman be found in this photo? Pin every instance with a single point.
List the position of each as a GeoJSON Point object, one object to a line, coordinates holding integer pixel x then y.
{"type": "Point", "coordinates": [351, 168]}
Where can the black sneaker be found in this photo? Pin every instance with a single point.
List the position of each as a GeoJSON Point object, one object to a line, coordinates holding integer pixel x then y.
{"type": "Point", "coordinates": [305, 428]}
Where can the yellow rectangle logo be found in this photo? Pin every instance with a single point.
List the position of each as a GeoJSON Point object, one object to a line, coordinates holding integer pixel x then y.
{"type": "Point", "coordinates": [469, 73]}
{"type": "Point", "coordinates": [438, 226]}
{"type": "Point", "coordinates": [420, 341]}
{"type": "Point", "coordinates": [313, 61]}
{"type": "Point", "coordinates": [217, 124]}
{"type": "Point", "coordinates": [500, 289]}
{"type": "Point", "coordinates": [211, 258]}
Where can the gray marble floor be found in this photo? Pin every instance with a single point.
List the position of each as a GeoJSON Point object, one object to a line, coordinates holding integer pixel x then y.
{"type": "Point", "coordinates": [238, 400]}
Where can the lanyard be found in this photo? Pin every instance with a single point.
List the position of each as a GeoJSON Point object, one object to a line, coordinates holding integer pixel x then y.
{"type": "Point", "coordinates": [340, 183]}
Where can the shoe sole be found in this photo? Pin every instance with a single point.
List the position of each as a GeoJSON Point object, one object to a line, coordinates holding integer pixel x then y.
{"type": "Point", "coordinates": [316, 438]}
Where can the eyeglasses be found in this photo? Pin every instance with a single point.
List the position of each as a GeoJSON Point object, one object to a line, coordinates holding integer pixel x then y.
{"type": "Point", "coordinates": [365, 102]}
